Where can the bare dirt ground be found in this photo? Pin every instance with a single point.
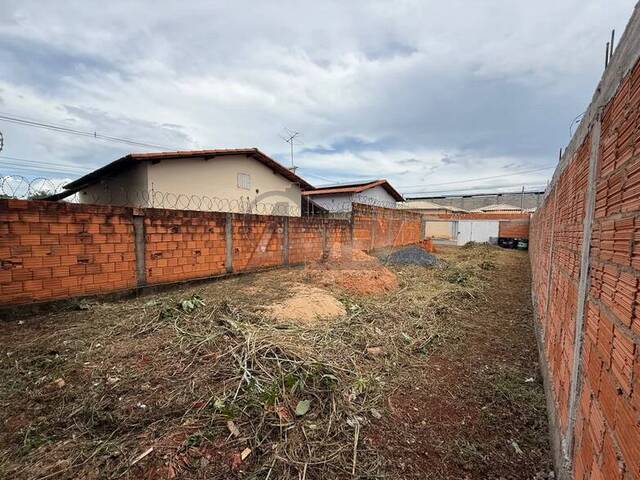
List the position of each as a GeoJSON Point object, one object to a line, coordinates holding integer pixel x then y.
{"type": "Point", "coordinates": [433, 376]}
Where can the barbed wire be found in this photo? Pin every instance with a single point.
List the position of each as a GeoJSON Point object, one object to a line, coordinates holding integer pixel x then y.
{"type": "Point", "coordinates": [41, 188]}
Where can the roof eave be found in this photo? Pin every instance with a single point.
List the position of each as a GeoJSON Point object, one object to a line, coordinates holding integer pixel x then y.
{"type": "Point", "coordinates": [132, 158]}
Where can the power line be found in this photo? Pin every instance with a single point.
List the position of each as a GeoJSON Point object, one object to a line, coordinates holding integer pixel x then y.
{"type": "Point", "coordinates": [474, 189]}
{"type": "Point", "coordinates": [42, 162]}
{"type": "Point", "coordinates": [62, 129]}
{"type": "Point", "coordinates": [16, 163]}
{"type": "Point", "coordinates": [512, 174]}
{"type": "Point", "coordinates": [36, 168]}
{"type": "Point", "coordinates": [403, 187]}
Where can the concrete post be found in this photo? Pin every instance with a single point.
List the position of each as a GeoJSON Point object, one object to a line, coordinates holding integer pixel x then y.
{"type": "Point", "coordinates": [140, 247]}
{"type": "Point", "coordinates": [285, 241]}
{"type": "Point", "coordinates": [324, 240]}
{"type": "Point", "coordinates": [583, 289]}
{"type": "Point", "coordinates": [550, 271]}
{"type": "Point", "coordinates": [373, 230]}
{"type": "Point", "coordinates": [228, 243]}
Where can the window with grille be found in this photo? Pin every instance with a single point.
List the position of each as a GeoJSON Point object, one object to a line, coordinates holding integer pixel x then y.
{"type": "Point", "coordinates": [244, 181]}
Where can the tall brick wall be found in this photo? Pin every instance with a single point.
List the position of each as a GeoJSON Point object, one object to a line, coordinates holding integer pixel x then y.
{"type": "Point", "coordinates": [376, 227]}
{"type": "Point", "coordinates": [586, 297]}
{"type": "Point", "coordinates": [257, 241]}
{"type": "Point", "coordinates": [51, 251]}
{"type": "Point", "coordinates": [183, 244]}
{"type": "Point", "coordinates": [513, 228]}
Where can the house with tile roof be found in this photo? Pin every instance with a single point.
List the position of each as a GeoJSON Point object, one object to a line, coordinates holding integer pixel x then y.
{"type": "Point", "coordinates": [231, 180]}
{"type": "Point", "coordinates": [340, 198]}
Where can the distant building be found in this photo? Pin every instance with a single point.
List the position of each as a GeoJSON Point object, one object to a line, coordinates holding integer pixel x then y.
{"type": "Point", "coordinates": [244, 180]}
{"type": "Point", "coordinates": [524, 200]}
{"type": "Point", "coordinates": [424, 206]}
{"type": "Point", "coordinates": [498, 208]}
{"type": "Point", "coordinates": [339, 198]}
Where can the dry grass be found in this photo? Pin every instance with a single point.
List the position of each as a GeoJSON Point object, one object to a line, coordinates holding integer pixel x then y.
{"type": "Point", "coordinates": [88, 392]}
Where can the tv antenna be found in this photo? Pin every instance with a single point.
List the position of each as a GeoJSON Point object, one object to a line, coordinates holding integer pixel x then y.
{"type": "Point", "coordinates": [290, 138]}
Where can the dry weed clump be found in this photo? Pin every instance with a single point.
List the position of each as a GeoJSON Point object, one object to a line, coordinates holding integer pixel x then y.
{"type": "Point", "coordinates": [210, 386]}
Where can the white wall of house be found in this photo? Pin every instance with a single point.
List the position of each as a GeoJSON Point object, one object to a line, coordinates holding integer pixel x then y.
{"type": "Point", "coordinates": [334, 202]}
{"type": "Point", "coordinates": [128, 188]}
{"type": "Point", "coordinates": [218, 178]}
{"type": "Point", "coordinates": [341, 202]}
{"type": "Point", "coordinates": [200, 184]}
{"type": "Point", "coordinates": [375, 196]}
{"type": "Point", "coordinates": [441, 230]}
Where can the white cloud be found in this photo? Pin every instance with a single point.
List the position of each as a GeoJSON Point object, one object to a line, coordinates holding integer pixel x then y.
{"type": "Point", "coordinates": [489, 84]}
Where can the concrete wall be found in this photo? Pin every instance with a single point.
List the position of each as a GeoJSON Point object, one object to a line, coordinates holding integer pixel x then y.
{"type": "Point", "coordinates": [585, 260]}
{"type": "Point", "coordinates": [470, 202]}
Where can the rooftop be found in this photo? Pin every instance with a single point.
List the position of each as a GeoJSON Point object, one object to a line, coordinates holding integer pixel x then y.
{"type": "Point", "coordinates": [426, 205]}
{"type": "Point", "coordinates": [356, 188]}
{"type": "Point", "coordinates": [128, 160]}
{"type": "Point", "coordinates": [498, 207]}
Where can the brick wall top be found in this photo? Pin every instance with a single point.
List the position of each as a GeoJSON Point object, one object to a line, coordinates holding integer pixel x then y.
{"type": "Point", "coordinates": [61, 207]}
{"type": "Point", "coordinates": [363, 209]}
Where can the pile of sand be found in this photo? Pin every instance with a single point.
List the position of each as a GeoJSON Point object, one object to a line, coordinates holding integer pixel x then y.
{"type": "Point", "coordinates": [362, 274]}
{"type": "Point", "coordinates": [308, 305]}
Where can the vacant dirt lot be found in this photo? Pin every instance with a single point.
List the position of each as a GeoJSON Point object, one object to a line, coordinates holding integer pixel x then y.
{"type": "Point", "coordinates": [432, 376]}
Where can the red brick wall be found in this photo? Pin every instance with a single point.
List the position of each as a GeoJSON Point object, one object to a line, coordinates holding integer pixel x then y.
{"type": "Point", "coordinates": [514, 229]}
{"type": "Point", "coordinates": [54, 250]}
{"type": "Point", "coordinates": [257, 241]}
{"type": "Point", "coordinates": [607, 428]}
{"type": "Point", "coordinates": [183, 244]}
{"type": "Point", "coordinates": [305, 240]}
{"type": "Point", "coordinates": [375, 227]}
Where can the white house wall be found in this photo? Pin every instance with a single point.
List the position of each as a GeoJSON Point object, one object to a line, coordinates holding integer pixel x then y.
{"type": "Point", "coordinates": [128, 188]}
{"type": "Point", "coordinates": [198, 184]}
{"type": "Point", "coordinates": [217, 178]}
{"type": "Point", "coordinates": [375, 196]}
{"type": "Point", "coordinates": [334, 202]}
{"type": "Point", "coordinates": [341, 202]}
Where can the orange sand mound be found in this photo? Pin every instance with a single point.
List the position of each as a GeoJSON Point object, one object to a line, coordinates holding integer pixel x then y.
{"type": "Point", "coordinates": [308, 305]}
{"type": "Point", "coordinates": [361, 275]}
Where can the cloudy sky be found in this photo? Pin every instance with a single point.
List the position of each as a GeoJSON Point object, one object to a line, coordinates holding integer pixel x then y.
{"type": "Point", "coordinates": [434, 95]}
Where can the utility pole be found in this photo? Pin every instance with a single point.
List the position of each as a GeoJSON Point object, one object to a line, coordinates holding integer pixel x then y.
{"type": "Point", "coordinates": [522, 200]}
